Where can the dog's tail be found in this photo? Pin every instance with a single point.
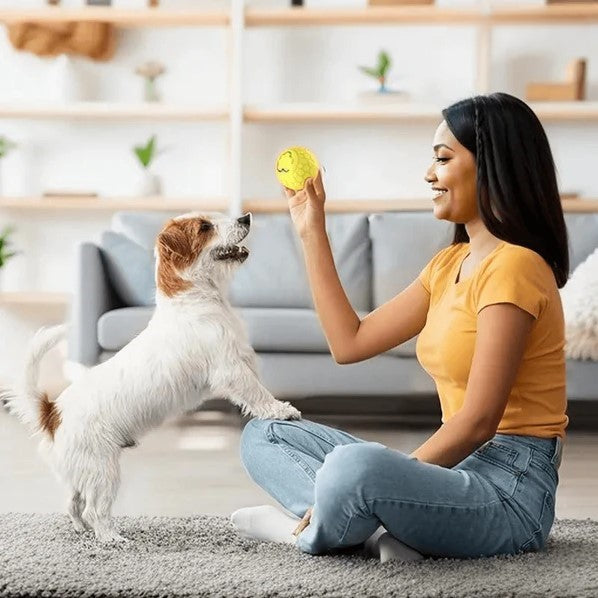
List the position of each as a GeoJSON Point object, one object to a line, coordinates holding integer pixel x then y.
{"type": "Point", "coordinates": [27, 401]}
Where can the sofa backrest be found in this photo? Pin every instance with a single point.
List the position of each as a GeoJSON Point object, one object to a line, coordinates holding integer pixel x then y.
{"type": "Point", "coordinates": [376, 255]}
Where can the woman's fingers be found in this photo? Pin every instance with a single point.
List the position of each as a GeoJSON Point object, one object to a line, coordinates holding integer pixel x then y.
{"type": "Point", "coordinates": [319, 185]}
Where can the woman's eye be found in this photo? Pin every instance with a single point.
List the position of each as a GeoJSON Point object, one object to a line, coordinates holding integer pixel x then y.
{"type": "Point", "coordinates": [440, 159]}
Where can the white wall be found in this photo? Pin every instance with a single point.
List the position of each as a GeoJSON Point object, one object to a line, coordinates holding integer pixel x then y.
{"type": "Point", "coordinates": [304, 64]}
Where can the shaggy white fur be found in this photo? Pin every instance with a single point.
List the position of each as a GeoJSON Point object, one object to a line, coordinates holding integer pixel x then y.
{"type": "Point", "coordinates": [194, 347]}
{"type": "Point", "coordinates": [580, 306]}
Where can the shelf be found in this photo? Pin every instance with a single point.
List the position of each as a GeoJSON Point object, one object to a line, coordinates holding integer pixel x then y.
{"type": "Point", "coordinates": [374, 15]}
{"type": "Point", "coordinates": [398, 111]}
{"type": "Point", "coordinates": [389, 205]}
{"type": "Point", "coordinates": [248, 205]}
{"type": "Point", "coordinates": [123, 18]}
{"type": "Point", "coordinates": [105, 203]}
{"type": "Point", "coordinates": [112, 111]}
{"type": "Point", "coordinates": [33, 299]}
{"type": "Point", "coordinates": [578, 12]}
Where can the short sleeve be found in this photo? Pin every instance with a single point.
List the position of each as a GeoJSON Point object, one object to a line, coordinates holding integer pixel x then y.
{"type": "Point", "coordinates": [519, 277]}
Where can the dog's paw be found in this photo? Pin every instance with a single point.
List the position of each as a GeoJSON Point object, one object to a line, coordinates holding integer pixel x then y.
{"type": "Point", "coordinates": [281, 410]}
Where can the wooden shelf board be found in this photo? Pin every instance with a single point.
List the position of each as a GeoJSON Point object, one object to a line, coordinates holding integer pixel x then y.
{"type": "Point", "coordinates": [386, 205]}
{"type": "Point", "coordinates": [577, 12]}
{"type": "Point", "coordinates": [370, 112]}
{"type": "Point", "coordinates": [374, 15]}
{"type": "Point", "coordinates": [112, 111]}
{"type": "Point", "coordinates": [33, 298]}
{"type": "Point", "coordinates": [105, 203]}
{"type": "Point", "coordinates": [157, 17]}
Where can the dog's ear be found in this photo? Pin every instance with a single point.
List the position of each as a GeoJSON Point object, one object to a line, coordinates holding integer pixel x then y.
{"type": "Point", "coordinates": [174, 243]}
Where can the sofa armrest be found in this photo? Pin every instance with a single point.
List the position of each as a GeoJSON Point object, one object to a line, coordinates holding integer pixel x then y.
{"type": "Point", "coordinates": [92, 296]}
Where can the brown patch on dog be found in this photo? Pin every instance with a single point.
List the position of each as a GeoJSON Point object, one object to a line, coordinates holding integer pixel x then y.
{"type": "Point", "coordinates": [49, 417]}
{"type": "Point", "coordinates": [179, 245]}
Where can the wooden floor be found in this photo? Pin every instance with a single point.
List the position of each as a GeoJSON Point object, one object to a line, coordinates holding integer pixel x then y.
{"type": "Point", "coordinates": [191, 466]}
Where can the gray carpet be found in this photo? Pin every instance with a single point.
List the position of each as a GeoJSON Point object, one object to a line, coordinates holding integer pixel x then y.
{"type": "Point", "coordinates": [41, 555]}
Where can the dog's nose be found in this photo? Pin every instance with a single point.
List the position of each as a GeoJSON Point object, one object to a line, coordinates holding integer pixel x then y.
{"type": "Point", "coordinates": [246, 219]}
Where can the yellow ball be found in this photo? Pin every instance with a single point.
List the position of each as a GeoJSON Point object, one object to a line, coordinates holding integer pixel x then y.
{"type": "Point", "coordinates": [294, 165]}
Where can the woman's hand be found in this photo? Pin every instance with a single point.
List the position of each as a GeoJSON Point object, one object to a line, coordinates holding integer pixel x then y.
{"type": "Point", "coordinates": [304, 522]}
{"type": "Point", "coordinates": [307, 206]}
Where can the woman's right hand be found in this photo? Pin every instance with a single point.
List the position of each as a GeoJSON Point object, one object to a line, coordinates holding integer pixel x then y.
{"type": "Point", "coordinates": [306, 207]}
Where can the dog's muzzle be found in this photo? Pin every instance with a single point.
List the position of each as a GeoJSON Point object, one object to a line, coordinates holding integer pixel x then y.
{"type": "Point", "coordinates": [230, 252]}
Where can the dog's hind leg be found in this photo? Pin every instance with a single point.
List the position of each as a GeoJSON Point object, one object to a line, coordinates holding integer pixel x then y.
{"type": "Point", "coordinates": [99, 493]}
{"type": "Point", "coordinates": [75, 507]}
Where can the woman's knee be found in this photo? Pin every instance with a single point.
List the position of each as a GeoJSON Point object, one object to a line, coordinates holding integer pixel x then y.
{"type": "Point", "coordinates": [349, 467]}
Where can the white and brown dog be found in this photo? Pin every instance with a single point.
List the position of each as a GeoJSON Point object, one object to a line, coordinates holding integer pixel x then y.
{"type": "Point", "coordinates": [194, 347]}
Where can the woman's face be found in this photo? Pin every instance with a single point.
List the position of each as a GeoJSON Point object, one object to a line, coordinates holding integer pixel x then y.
{"type": "Point", "coordinates": [453, 171]}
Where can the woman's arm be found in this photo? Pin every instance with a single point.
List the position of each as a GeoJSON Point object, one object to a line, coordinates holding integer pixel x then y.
{"type": "Point", "coordinates": [349, 339]}
{"type": "Point", "coordinates": [502, 334]}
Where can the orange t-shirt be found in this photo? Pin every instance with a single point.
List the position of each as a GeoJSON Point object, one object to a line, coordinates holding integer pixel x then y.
{"type": "Point", "coordinates": [509, 274]}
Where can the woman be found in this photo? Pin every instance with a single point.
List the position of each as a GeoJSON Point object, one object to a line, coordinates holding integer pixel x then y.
{"type": "Point", "coordinates": [491, 334]}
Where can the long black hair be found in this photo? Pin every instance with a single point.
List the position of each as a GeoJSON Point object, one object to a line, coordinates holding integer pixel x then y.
{"type": "Point", "coordinates": [517, 192]}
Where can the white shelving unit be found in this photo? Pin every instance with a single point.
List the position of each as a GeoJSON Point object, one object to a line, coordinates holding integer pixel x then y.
{"type": "Point", "coordinates": [236, 20]}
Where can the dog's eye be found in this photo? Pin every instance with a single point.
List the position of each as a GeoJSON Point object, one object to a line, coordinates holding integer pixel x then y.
{"type": "Point", "coordinates": [205, 226]}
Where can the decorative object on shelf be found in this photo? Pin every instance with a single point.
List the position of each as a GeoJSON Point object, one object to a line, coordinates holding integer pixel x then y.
{"type": "Point", "coordinates": [150, 71]}
{"type": "Point", "coordinates": [94, 40]}
{"type": "Point", "coordinates": [296, 2]}
{"type": "Point", "coordinates": [6, 251]}
{"type": "Point", "coordinates": [64, 85]}
{"type": "Point", "coordinates": [153, 3]}
{"type": "Point", "coordinates": [99, 2]}
{"type": "Point", "coordinates": [6, 145]}
{"type": "Point", "coordinates": [572, 90]}
{"type": "Point", "coordinates": [150, 183]}
{"type": "Point", "coordinates": [399, 2]}
{"type": "Point", "coordinates": [294, 165]}
{"type": "Point", "coordinates": [380, 74]}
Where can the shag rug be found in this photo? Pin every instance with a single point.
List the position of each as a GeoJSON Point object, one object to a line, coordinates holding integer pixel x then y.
{"type": "Point", "coordinates": [41, 555]}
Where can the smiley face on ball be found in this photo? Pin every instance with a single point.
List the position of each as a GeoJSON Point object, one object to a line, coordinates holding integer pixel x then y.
{"type": "Point", "coordinates": [294, 165]}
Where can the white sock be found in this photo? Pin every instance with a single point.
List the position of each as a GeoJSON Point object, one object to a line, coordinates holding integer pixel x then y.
{"type": "Point", "coordinates": [392, 549]}
{"type": "Point", "coordinates": [265, 523]}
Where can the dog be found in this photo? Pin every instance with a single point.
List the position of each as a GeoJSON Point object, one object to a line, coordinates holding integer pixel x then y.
{"type": "Point", "coordinates": [195, 347]}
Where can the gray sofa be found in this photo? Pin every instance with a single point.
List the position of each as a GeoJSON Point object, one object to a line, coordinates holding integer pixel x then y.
{"type": "Point", "coordinates": [377, 255]}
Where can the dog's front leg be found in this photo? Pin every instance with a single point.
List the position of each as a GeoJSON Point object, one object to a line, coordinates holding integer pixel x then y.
{"type": "Point", "coordinates": [237, 382]}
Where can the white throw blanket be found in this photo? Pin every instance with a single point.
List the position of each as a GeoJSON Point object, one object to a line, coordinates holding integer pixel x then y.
{"type": "Point", "coordinates": [580, 306]}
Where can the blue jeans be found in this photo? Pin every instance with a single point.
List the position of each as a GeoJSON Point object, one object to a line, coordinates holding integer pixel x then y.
{"type": "Point", "coordinates": [498, 500]}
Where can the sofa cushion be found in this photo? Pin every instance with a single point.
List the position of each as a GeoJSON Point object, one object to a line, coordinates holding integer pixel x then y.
{"type": "Point", "coordinates": [130, 269]}
{"type": "Point", "coordinates": [582, 230]}
{"type": "Point", "coordinates": [269, 329]}
{"type": "Point", "coordinates": [141, 227]}
{"type": "Point", "coordinates": [275, 274]}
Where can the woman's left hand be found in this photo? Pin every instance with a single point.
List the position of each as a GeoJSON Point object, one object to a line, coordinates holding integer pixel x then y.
{"type": "Point", "coordinates": [304, 522]}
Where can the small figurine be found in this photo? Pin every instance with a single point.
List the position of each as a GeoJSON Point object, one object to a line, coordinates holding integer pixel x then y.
{"type": "Point", "coordinates": [150, 71]}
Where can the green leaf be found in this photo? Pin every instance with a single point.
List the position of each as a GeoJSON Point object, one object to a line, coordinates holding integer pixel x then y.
{"type": "Point", "coordinates": [370, 71]}
{"type": "Point", "coordinates": [146, 153]}
{"type": "Point", "coordinates": [384, 62]}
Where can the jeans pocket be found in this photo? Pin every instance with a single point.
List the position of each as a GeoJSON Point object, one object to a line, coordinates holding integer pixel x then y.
{"type": "Point", "coordinates": [502, 465]}
{"type": "Point", "coordinates": [537, 541]}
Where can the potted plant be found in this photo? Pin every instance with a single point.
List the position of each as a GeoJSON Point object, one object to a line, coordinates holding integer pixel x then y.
{"type": "Point", "coordinates": [150, 183]}
{"type": "Point", "coordinates": [5, 248]}
{"type": "Point", "coordinates": [5, 146]}
{"type": "Point", "coordinates": [380, 73]}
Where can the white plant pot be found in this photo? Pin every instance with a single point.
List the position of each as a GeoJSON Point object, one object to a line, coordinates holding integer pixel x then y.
{"type": "Point", "coordinates": [149, 184]}
{"type": "Point", "coordinates": [64, 85]}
